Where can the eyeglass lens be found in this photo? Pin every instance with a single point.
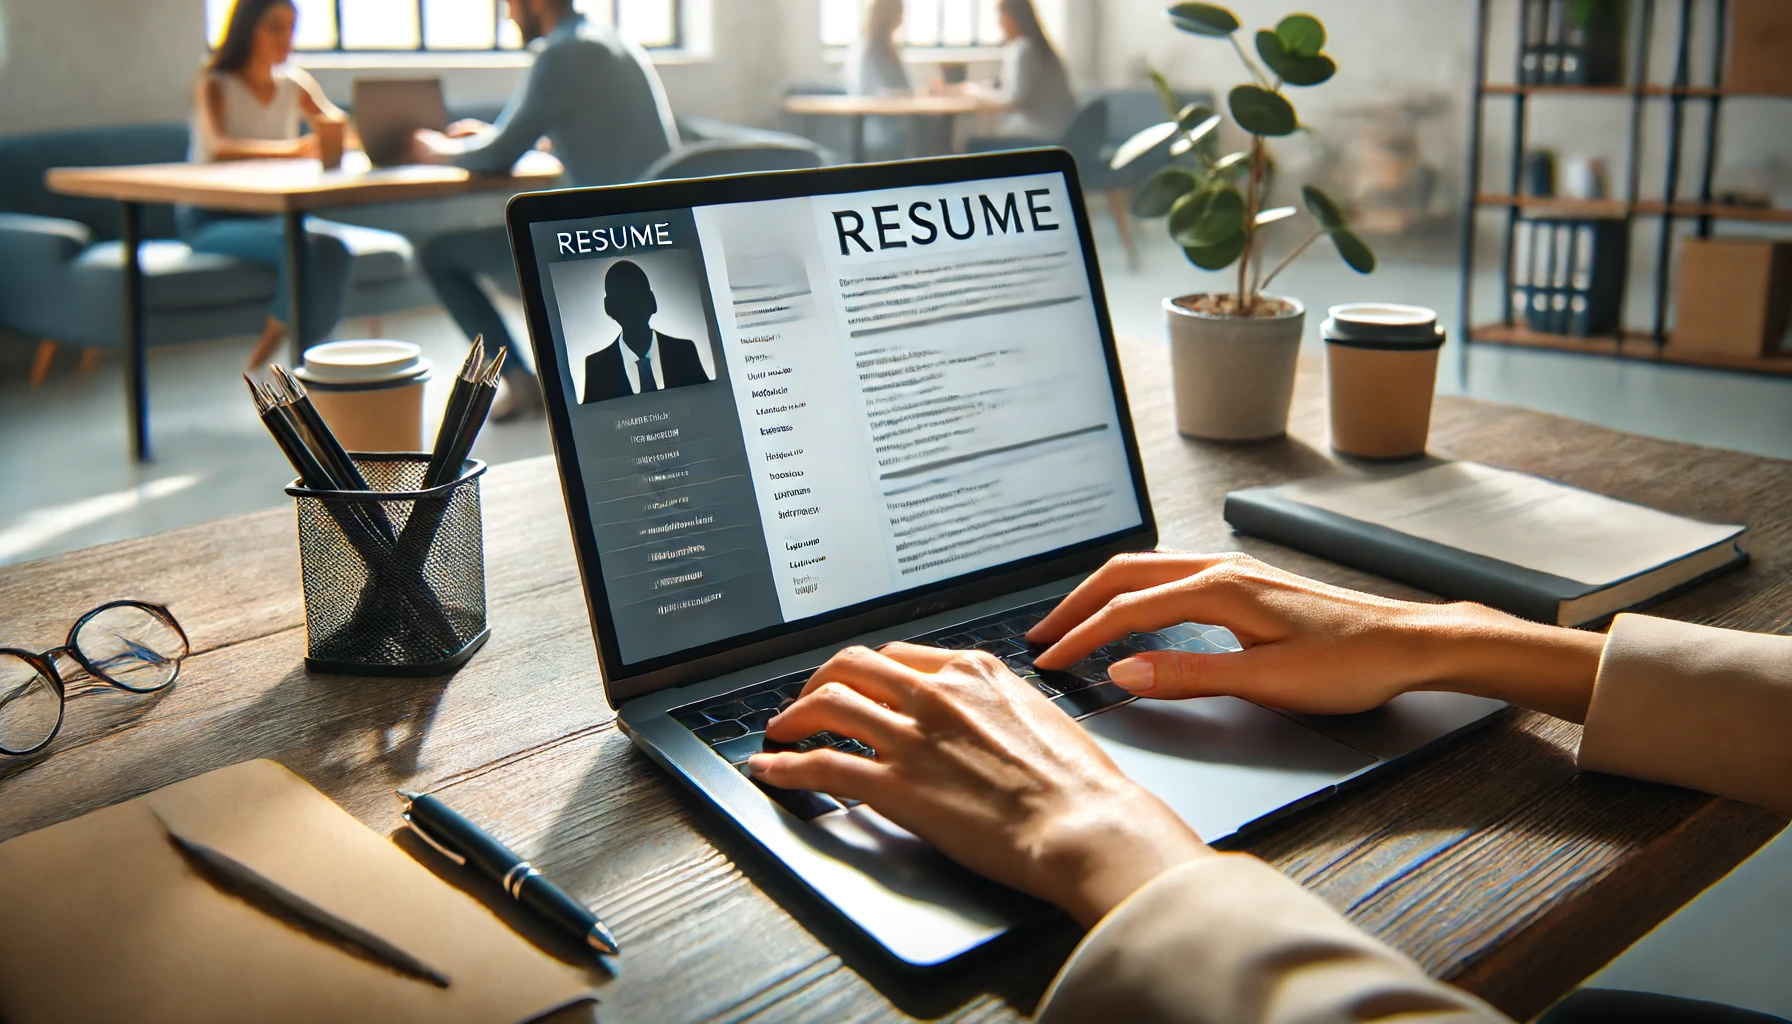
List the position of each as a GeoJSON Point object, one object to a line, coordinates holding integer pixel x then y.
{"type": "Point", "coordinates": [131, 646]}
{"type": "Point", "coordinates": [29, 705]}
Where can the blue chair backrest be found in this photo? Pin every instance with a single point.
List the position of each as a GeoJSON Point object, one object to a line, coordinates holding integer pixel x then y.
{"type": "Point", "coordinates": [1087, 131]}
{"type": "Point", "coordinates": [25, 158]}
{"type": "Point", "coordinates": [708, 159]}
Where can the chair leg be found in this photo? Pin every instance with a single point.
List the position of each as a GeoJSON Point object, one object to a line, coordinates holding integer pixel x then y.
{"type": "Point", "coordinates": [90, 358]}
{"type": "Point", "coordinates": [1119, 203]}
{"type": "Point", "coordinates": [40, 363]}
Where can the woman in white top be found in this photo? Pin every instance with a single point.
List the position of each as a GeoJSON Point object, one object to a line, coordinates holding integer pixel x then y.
{"type": "Point", "coordinates": [247, 104]}
{"type": "Point", "coordinates": [874, 68]}
{"type": "Point", "coordinates": [1034, 85]}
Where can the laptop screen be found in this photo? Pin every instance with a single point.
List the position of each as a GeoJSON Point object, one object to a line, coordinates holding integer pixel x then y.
{"type": "Point", "coordinates": [785, 408]}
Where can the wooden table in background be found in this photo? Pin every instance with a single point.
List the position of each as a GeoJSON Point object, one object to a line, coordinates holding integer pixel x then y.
{"type": "Point", "coordinates": [1491, 861]}
{"type": "Point", "coordinates": [895, 105]}
{"type": "Point", "coordinates": [286, 188]}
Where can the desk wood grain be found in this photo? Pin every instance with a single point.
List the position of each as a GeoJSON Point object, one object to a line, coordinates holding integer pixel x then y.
{"type": "Point", "coordinates": [1491, 861]}
{"type": "Point", "coordinates": [282, 186]}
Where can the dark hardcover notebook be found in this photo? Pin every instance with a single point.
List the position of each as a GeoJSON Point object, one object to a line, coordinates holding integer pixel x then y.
{"type": "Point", "coordinates": [1538, 549]}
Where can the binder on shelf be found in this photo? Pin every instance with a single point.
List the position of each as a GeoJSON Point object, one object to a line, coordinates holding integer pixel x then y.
{"type": "Point", "coordinates": [1593, 43]}
{"type": "Point", "coordinates": [1530, 61]}
{"type": "Point", "coordinates": [1521, 268]}
{"type": "Point", "coordinates": [1561, 261]}
{"type": "Point", "coordinates": [1555, 27]}
{"type": "Point", "coordinates": [1536, 315]}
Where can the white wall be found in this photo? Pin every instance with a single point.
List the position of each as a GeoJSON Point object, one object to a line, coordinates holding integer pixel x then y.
{"type": "Point", "coordinates": [78, 63]}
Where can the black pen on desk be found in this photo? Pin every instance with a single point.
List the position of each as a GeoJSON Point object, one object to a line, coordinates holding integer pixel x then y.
{"type": "Point", "coordinates": [467, 844]}
{"type": "Point", "coordinates": [329, 450]}
{"type": "Point", "coordinates": [454, 414]}
{"type": "Point", "coordinates": [479, 406]}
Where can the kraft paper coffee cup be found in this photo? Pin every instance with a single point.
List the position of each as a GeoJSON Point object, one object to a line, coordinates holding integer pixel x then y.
{"type": "Point", "coordinates": [329, 142]}
{"type": "Point", "coordinates": [1380, 373]}
{"type": "Point", "coordinates": [369, 392]}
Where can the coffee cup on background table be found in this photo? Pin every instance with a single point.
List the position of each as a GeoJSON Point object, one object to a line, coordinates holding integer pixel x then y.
{"type": "Point", "coordinates": [369, 392]}
{"type": "Point", "coordinates": [1380, 374]}
{"type": "Point", "coordinates": [330, 140]}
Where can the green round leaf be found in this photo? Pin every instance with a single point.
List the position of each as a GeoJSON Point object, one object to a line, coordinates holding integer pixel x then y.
{"type": "Point", "coordinates": [1193, 114]}
{"type": "Point", "coordinates": [1355, 251]}
{"type": "Point", "coordinates": [1206, 218]}
{"type": "Point", "coordinates": [1271, 216]}
{"type": "Point", "coordinates": [1329, 214]}
{"type": "Point", "coordinates": [1160, 191]}
{"type": "Point", "coordinates": [1203, 19]}
{"type": "Point", "coordinates": [1301, 34]}
{"type": "Point", "coordinates": [1307, 70]}
{"type": "Point", "coordinates": [1231, 165]}
{"type": "Point", "coordinates": [1271, 49]}
{"type": "Point", "coordinates": [1216, 257]}
{"type": "Point", "coordinates": [1165, 94]}
{"type": "Point", "coordinates": [1142, 143]}
{"type": "Point", "coordinates": [1261, 112]}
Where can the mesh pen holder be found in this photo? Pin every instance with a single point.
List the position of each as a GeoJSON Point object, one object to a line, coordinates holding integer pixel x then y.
{"type": "Point", "coordinates": [394, 577]}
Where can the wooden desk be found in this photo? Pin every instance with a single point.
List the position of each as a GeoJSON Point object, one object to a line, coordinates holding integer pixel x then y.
{"type": "Point", "coordinates": [288, 188]}
{"type": "Point", "coordinates": [1491, 861]}
{"type": "Point", "coordinates": [896, 105]}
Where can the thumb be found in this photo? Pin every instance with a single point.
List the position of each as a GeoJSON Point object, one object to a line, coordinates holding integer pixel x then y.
{"type": "Point", "coordinates": [1176, 675]}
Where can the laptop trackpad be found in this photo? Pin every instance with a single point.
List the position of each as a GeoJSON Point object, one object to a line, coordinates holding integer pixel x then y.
{"type": "Point", "coordinates": [1221, 762]}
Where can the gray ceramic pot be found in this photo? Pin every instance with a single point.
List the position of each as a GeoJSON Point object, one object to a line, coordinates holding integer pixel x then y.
{"type": "Point", "coordinates": [1234, 376]}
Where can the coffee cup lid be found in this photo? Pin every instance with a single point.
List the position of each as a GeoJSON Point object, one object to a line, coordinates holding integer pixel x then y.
{"type": "Point", "coordinates": [369, 361]}
{"type": "Point", "coordinates": [1383, 323]}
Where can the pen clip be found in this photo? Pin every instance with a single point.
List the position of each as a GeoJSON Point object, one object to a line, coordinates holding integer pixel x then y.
{"type": "Point", "coordinates": [424, 835]}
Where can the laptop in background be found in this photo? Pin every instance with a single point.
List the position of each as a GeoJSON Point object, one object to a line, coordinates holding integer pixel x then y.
{"type": "Point", "coordinates": [802, 410]}
{"type": "Point", "coordinates": [389, 110]}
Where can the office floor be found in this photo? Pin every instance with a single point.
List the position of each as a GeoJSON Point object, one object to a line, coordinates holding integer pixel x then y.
{"type": "Point", "coordinates": [71, 485]}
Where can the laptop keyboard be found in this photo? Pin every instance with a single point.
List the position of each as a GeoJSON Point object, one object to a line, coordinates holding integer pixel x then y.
{"type": "Point", "coordinates": [733, 724]}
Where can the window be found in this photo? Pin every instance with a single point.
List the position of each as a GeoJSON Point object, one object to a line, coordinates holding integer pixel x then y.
{"type": "Point", "coordinates": [447, 25]}
{"type": "Point", "coordinates": [934, 23]}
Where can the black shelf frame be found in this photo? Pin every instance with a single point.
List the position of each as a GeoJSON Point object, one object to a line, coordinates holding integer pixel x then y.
{"type": "Point", "coordinates": [1639, 93]}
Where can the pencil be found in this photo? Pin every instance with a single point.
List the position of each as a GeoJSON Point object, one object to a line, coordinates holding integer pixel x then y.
{"type": "Point", "coordinates": [256, 888]}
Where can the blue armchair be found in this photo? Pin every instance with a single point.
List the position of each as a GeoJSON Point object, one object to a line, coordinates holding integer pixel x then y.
{"type": "Point", "coordinates": [62, 265]}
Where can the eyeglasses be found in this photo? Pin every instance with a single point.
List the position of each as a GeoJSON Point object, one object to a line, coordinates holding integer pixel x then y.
{"type": "Point", "coordinates": [132, 645]}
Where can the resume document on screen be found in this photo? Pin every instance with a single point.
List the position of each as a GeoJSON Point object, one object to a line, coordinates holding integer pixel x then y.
{"type": "Point", "coordinates": [785, 408]}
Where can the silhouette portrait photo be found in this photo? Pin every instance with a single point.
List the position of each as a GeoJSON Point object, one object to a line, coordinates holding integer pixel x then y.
{"type": "Point", "coordinates": [641, 360]}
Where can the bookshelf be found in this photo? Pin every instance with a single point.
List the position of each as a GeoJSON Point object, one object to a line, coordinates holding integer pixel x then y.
{"type": "Point", "coordinates": [1656, 215]}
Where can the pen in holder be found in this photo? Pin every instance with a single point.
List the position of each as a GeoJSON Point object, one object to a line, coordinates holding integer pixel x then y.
{"type": "Point", "coordinates": [394, 576]}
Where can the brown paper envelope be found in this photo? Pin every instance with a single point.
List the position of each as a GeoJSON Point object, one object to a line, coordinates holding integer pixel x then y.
{"type": "Point", "coordinates": [101, 919]}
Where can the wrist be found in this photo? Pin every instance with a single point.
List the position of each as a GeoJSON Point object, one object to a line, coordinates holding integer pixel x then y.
{"type": "Point", "coordinates": [1092, 860]}
{"type": "Point", "coordinates": [1487, 653]}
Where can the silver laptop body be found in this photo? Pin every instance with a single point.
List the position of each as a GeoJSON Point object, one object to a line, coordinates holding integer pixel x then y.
{"type": "Point", "coordinates": [389, 110]}
{"type": "Point", "coordinates": [857, 405]}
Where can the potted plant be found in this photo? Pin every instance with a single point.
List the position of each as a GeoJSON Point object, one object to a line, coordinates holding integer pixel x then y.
{"type": "Point", "coordinates": [1234, 354]}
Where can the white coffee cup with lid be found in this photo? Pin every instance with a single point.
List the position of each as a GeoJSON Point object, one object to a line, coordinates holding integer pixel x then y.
{"type": "Point", "coordinates": [369, 391]}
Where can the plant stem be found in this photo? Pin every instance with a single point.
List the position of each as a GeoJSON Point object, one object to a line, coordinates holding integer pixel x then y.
{"type": "Point", "coordinates": [1250, 65]}
{"type": "Point", "coordinates": [1290, 258]}
{"type": "Point", "coordinates": [1246, 302]}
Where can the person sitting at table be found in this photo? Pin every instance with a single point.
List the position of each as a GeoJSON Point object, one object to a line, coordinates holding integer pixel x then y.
{"type": "Point", "coordinates": [874, 68]}
{"type": "Point", "coordinates": [1033, 86]}
{"type": "Point", "coordinates": [599, 102]}
{"type": "Point", "coordinates": [247, 104]}
{"type": "Point", "coordinates": [979, 763]}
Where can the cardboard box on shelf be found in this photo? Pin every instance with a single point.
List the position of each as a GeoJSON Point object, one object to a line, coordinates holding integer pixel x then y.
{"type": "Point", "coordinates": [1760, 36]}
{"type": "Point", "coordinates": [1735, 296]}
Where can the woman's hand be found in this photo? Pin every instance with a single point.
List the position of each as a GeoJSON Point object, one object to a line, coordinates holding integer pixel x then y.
{"type": "Point", "coordinates": [980, 764]}
{"type": "Point", "coordinates": [1309, 646]}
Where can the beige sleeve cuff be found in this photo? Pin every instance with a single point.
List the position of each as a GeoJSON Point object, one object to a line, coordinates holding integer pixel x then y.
{"type": "Point", "coordinates": [1694, 706]}
{"type": "Point", "coordinates": [1227, 938]}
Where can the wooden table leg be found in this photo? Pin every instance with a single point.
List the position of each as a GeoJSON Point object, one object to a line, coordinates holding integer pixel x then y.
{"type": "Point", "coordinates": [136, 368]}
{"type": "Point", "coordinates": [295, 284]}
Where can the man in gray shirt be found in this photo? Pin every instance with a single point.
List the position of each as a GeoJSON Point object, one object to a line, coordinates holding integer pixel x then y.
{"type": "Point", "coordinates": [598, 101]}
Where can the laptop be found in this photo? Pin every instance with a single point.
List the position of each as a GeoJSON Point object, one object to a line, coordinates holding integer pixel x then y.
{"type": "Point", "coordinates": [389, 110]}
{"type": "Point", "coordinates": [801, 410]}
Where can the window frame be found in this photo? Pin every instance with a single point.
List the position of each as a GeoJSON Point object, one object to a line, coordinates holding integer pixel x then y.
{"type": "Point", "coordinates": [302, 53]}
